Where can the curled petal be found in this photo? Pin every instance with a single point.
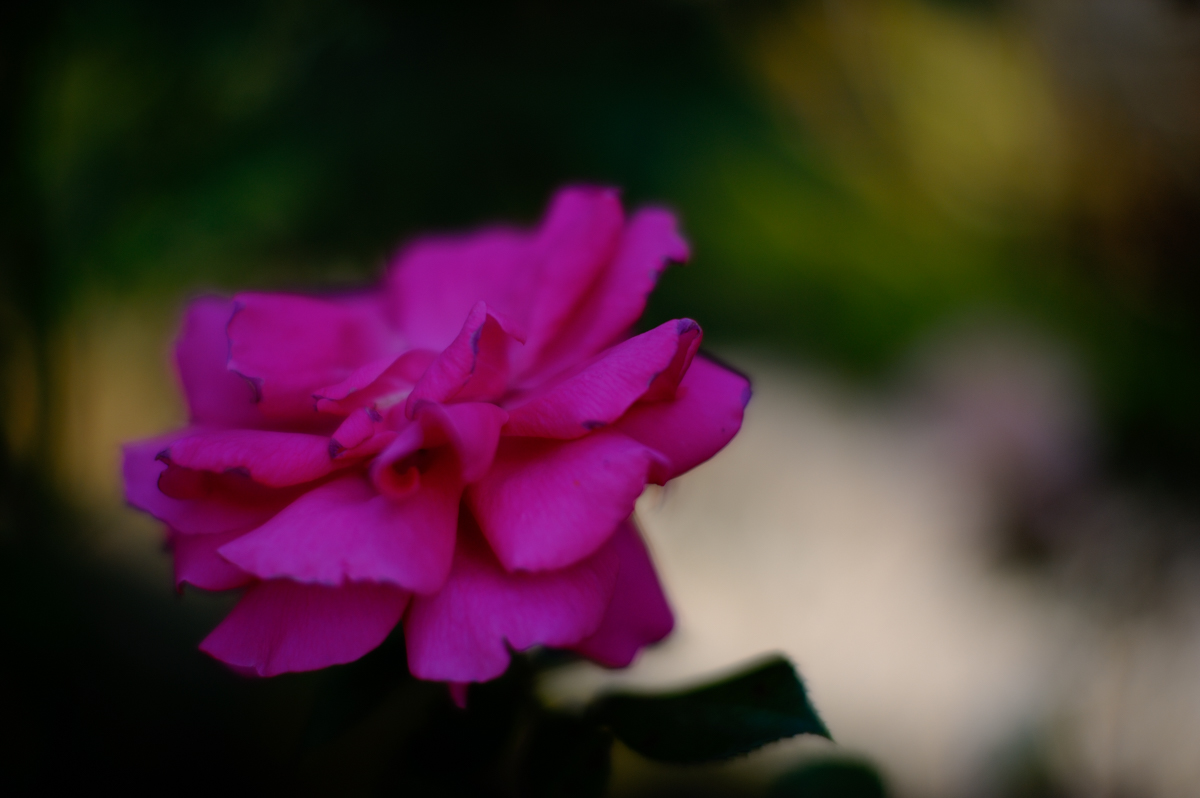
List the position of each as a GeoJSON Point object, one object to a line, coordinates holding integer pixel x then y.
{"type": "Point", "coordinates": [648, 366]}
{"type": "Point", "coordinates": [374, 380]}
{"type": "Point", "coordinates": [282, 626]}
{"type": "Point", "coordinates": [473, 367]}
{"type": "Point", "coordinates": [358, 427]}
{"type": "Point", "coordinates": [638, 614]}
{"type": "Point", "coordinates": [288, 347]}
{"type": "Point", "coordinates": [464, 632]}
{"type": "Point", "coordinates": [344, 530]}
{"type": "Point", "coordinates": [215, 395]}
{"type": "Point", "coordinates": [274, 459]}
{"type": "Point", "coordinates": [546, 504]}
{"type": "Point", "coordinates": [472, 429]}
{"type": "Point", "coordinates": [704, 416]}
{"type": "Point", "coordinates": [209, 504]}
{"type": "Point", "coordinates": [198, 563]}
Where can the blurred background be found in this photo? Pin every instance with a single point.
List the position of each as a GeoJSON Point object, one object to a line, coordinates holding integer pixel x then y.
{"type": "Point", "coordinates": [955, 243]}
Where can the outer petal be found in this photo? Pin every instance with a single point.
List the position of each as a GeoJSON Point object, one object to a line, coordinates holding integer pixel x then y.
{"type": "Point", "coordinates": [547, 504]}
{"type": "Point", "coordinates": [275, 459]}
{"type": "Point", "coordinates": [638, 614]}
{"type": "Point", "coordinates": [463, 633]}
{"type": "Point", "coordinates": [615, 302]}
{"type": "Point", "coordinates": [344, 530]}
{"type": "Point", "coordinates": [597, 396]}
{"type": "Point", "coordinates": [282, 626]}
{"type": "Point", "coordinates": [210, 509]}
{"type": "Point", "coordinates": [215, 395]}
{"type": "Point", "coordinates": [473, 367]}
{"type": "Point", "coordinates": [704, 416]}
{"type": "Point", "coordinates": [290, 346]}
{"type": "Point", "coordinates": [198, 564]}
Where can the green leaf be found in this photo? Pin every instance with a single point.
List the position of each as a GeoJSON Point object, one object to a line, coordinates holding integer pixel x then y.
{"type": "Point", "coordinates": [717, 721]}
{"type": "Point", "coordinates": [831, 778]}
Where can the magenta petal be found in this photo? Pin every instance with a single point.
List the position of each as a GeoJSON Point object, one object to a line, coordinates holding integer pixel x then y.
{"type": "Point", "coordinates": [463, 633]}
{"type": "Point", "coordinates": [601, 393]}
{"type": "Point", "coordinates": [208, 512]}
{"type": "Point", "coordinates": [436, 281]}
{"type": "Point", "coordinates": [215, 395]}
{"type": "Point", "coordinates": [613, 305]}
{"type": "Point", "coordinates": [547, 504]}
{"type": "Point", "coordinates": [290, 346]}
{"type": "Point", "coordinates": [471, 428]}
{"type": "Point", "coordinates": [638, 614]}
{"type": "Point", "coordinates": [575, 243]}
{"type": "Point", "coordinates": [370, 382]}
{"type": "Point", "coordinates": [281, 626]}
{"type": "Point", "coordinates": [704, 416]}
{"type": "Point", "coordinates": [358, 427]}
{"type": "Point", "coordinates": [344, 530]}
{"type": "Point", "coordinates": [474, 366]}
{"type": "Point", "coordinates": [198, 564]}
{"type": "Point", "coordinates": [269, 458]}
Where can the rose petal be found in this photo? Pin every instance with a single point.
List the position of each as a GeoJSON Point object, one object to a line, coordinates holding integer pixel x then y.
{"type": "Point", "coordinates": [282, 626]}
{"type": "Point", "coordinates": [473, 367]}
{"type": "Point", "coordinates": [344, 530]}
{"type": "Point", "coordinates": [472, 429]}
{"type": "Point", "coordinates": [463, 633]}
{"type": "Point", "coordinates": [436, 281]}
{"type": "Point", "coordinates": [638, 614]}
{"type": "Point", "coordinates": [210, 510]}
{"type": "Point", "coordinates": [215, 395]}
{"type": "Point", "coordinates": [578, 238]}
{"type": "Point", "coordinates": [613, 305]}
{"type": "Point", "coordinates": [275, 459]}
{"type": "Point", "coordinates": [650, 363]}
{"type": "Point", "coordinates": [198, 564]}
{"type": "Point", "coordinates": [547, 504]}
{"type": "Point", "coordinates": [291, 346]}
{"type": "Point", "coordinates": [704, 416]}
{"type": "Point", "coordinates": [358, 427]}
{"type": "Point", "coordinates": [374, 380]}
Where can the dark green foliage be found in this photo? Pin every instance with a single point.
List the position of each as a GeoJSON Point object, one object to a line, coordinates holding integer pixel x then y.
{"type": "Point", "coordinates": [718, 721]}
{"type": "Point", "coordinates": [831, 778]}
{"type": "Point", "coordinates": [567, 757]}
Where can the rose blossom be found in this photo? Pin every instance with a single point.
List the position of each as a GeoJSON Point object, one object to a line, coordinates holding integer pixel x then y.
{"type": "Point", "coordinates": [459, 449]}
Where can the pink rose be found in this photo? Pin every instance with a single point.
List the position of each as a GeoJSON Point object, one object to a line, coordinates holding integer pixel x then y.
{"type": "Point", "coordinates": [459, 449]}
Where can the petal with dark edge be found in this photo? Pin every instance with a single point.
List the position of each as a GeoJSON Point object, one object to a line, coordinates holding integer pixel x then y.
{"type": "Point", "coordinates": [704, 416]}
{"type": "Point", "coordinates": [275, 459]}
{"type": "Point", "coordinates": [473, 367]}
{"type": "Point", "coordinates": [217, 503]}
{"type": "Point", "coordinates": [282, 626]}
{"type": "Point", "coordinates": [290, 346]}
{"type": "Point", "coordinates": [215, 395]}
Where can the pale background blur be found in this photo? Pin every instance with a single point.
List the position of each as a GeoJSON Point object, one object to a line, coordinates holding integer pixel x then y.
{"type": "Point", "coordinates": [953, 242]}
